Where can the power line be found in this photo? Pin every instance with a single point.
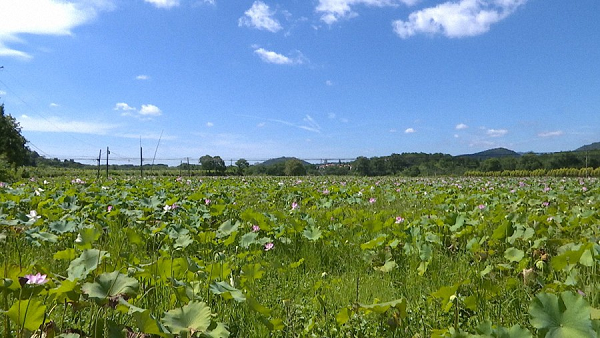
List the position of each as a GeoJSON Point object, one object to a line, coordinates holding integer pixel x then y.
{"type": "Point", "coordinates": [35, 112]}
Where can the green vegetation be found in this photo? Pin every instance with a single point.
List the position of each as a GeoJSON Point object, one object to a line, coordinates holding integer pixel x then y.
{"type": "Point", "coordinates": [300, 257]}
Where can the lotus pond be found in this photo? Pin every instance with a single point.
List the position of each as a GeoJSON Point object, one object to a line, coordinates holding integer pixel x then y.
{"type": "Point", "coordinates": [300, 257]}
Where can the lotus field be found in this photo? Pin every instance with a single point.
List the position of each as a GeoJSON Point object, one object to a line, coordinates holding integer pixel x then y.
{"type": "Point", "coordinates": [300, 257]}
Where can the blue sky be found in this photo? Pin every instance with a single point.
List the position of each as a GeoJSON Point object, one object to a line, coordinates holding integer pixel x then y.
{"type": "Point", "coordinates": [311, 79]}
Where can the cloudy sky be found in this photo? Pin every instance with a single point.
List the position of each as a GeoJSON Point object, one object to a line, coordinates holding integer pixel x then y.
{"type": "Point", "coordinates": [311, 79]}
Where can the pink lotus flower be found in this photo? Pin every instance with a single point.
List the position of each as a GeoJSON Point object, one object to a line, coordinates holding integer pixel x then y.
{"type": "Point", "coordinates": [372, 200]}
{"type": "Point", "coordinates": [109, 208]}
{"type": "Point", "coordinates": [37, 279]}
{"type": "Point", "coordinates": [399, 219]}
{"type": "Point", "coordinates": [206, 201]}
{"type": "Point", "coordinates": [294, 206]}
{"type": "Point", "coordinates": [481, 206]}
{"type": "Point", "coordinates": [269, 246]}
{"type": "Point", "coordinates": [255, 228]}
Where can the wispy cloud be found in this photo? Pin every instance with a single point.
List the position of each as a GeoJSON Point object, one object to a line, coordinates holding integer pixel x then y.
{"type": "Point", "coordinates": [409, 130]}
{"type": "Point", "coordinates": [279, 59]}
{"type": "Point", "coordinates": [457, 19]}
{"type": "Point", "coordinates": [163, 3]}
{"type": "Point", "coordinates": [142, 77]}
{"type": "Point", "coordinates": [148, 136]}
{"type": "Point", "coordinates": [334, 10]}
{"type": "Point", "coordinates": [43, 17]}
{"type": "Point", "coordinates": [461, 126]}
{"type": "Point", "coordinates": [259, 16]}
{"type": "Point", "coordinates": [56, 125]}
{"type": "Point", "coordinates": [311, 124]}
{"type": "Point", "coordinates": [210, 124]}
{"type": "Point", "coordinates": [551, 133]}
{"type": "Point", "coordinates": [496, 132]}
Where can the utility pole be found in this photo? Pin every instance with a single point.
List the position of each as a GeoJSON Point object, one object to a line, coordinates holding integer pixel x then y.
{"type": "Point", "coordinates": [99, 158]}
{"type": "Point", "coordinates": [141, 162]}
{"type": "Point", "coordinates": [107, 153]}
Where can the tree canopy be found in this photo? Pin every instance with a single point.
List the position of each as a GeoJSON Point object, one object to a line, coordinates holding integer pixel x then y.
{"type": "Point", "coordinates": [12, 143]}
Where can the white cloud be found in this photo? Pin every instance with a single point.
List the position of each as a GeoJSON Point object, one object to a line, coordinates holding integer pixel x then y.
{"type": "Point", "coordinates": [54, 105]}
{"type": "Point", "coordinates": [260, 125]}
{"type": "Point", "coordinates": [150, 110]}
{"type": "Point", "coordinates": [334, 10]}
{"type": "Point", "coordinates": [496, 132]}
{"type": "Point", "coordinates": [163, 3]}
{"type": "Point", "coordinates": [260, 17]}
{"type": "Point", "coordinates": [56, 125]}
{"type": "Point", "coordinates": [457, 19]}
{"type": "Point", "coordinates": [210, 124]}
{"type": "Point", "coordinates": [551, 133]}
{"type": "Point", "coordinates": [461, 126]}
{"type": "Point", "coordinates": [142, 77]}
{"type": "Point", "coordinates": [43, 17]}
{"type": "Point", "coordinates": [123, 106]}
{"type": "Point", "coordinates": [329, 83]}
{"type": "Point", "coordinates": [393, 130]}
{"type": "Point", "coordinates": [146, 112]}
{"type": "Point", "coordinates": [276, 58]}
{"type": "Point", "coordinates": [409, 131]}
{"type": "Point", "coordinates": [2, 92]}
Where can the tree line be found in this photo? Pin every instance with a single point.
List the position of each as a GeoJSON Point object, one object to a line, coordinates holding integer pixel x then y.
{"type": "Point", "coordinates": [15, 154]}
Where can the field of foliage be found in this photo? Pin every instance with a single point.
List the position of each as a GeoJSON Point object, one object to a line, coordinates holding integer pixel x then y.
{"type": "Point", "coordinates": [300, 257]}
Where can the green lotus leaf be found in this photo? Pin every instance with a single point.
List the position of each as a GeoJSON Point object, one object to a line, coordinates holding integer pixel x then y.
{"type": "Point", "coordinates": [87, 262]}
{"type": "Point", "coordinates": [63, 226]}
{"type": "Point", "coordinates": [220, 331]}
{"type": "Point", "coordinates": [111, 284]}
{"type": "Point", "coordinates": [567, 315]}
{"type": "Point", "coordinates": [248, 239]}
{"type": "Point", "coordinates": [383, 307]}
{"type": "Point", "coordinates": [191, 318]}
{"type": "Point", "coordinates": [514, 254]}
{"type": "Point", "coordinates": [147, 324]}
{"type": "Point", "coordinates": [87, 236]}
{"type": "Point", "coordinates": [387, 267]}
{"type": "Point", "coordinates": [227, 228]}
{"type": "Point", "coordinates": [27, 313]}
{"type": "Point", "coordinates": [227, 291]}
{"type": "Point", "coordinates": [375, 242]}
{"type": "Point", "coordinates": [256, 306]}
{"type": "Point", "coordinates": [312, 233]}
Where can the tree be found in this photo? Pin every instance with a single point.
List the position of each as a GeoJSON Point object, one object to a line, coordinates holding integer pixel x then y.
{"type": "Point", "coordinates": [242, 165]}
{"type": "Point", "coordinates": [294, 167]}
{"type": "Point", "coordinates": [207, 163]}
{"type": "Point", "coordinates": [530, 162]}
{"type": "Point", "coordinates": [12, 143]}
{"type": "Point", "coordinates": [362, 166]}
{"type": "Point", "coordinates": [219, 165]}
{"type": "Point", "coordinates": [491, 164]}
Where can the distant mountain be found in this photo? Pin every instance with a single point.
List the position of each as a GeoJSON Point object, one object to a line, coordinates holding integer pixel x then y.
{"type": "Point", "coordinates": [281, 159]}
{"type": "Point", "coordinates": [588, 147]}
{"type": "Point", "coordinates": [493, 153]}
